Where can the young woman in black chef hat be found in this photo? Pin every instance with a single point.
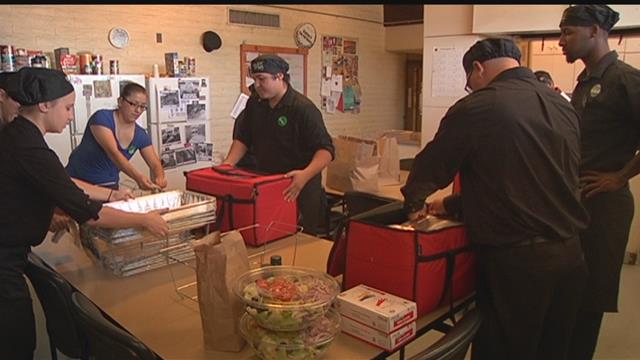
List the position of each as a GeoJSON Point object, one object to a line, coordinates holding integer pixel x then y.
{"type": "Point", "coordinates": [32, 183]}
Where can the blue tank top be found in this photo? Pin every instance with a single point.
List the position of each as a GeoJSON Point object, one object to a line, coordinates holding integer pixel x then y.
{"type": "Point", "coordinates": [90, 162]}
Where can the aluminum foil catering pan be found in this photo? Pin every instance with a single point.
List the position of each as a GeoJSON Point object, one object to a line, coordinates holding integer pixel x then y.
{"type": "Point", "coordinates": [427, 224]}
{"type": "Point", "coordinates": [186, 210]}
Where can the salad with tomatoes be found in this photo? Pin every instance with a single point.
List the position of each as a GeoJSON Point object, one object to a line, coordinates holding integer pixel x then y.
{"type": "Point", "coordinates": [286, 298]}
{"type": "Point", "coordinates": [306, 344]}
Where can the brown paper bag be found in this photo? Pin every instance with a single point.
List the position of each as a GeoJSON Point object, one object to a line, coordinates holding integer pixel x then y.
{"type": "Point", "coordinates": [388, 151]}
{"type": "Point", "coordinates": [350, 170]}
{"type": "Point", "coordinates": [219, 262]}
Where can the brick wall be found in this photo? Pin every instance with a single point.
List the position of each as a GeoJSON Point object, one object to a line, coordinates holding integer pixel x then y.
{"type": "Point", "coordinates": [86, 27]}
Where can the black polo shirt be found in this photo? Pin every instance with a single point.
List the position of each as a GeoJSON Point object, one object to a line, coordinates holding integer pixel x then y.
{"type": "Point", "coordinates": [608, 102]}
{"type": "Point", "coordinates": [516, 144]}
{"type": "Point", "coordinates": [286, 137]}
{"type": "Point", "coordinates": [32, 183]}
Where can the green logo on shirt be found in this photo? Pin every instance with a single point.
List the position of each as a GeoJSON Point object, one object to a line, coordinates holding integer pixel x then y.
{"type": "Point", "coordinates": [132, 149]}
{"type": "Point", "coordinates": [282, 121]}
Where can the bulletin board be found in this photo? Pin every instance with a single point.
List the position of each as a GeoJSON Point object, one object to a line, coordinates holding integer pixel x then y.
{"type": "Point", "coordinates": [296, 57]}
{"type": "Point", "coordinates": [340, 88]}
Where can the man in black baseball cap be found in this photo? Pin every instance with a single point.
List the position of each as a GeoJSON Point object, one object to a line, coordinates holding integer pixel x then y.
{"type": "Point", "coordinates": [515, 144]}
{"type": "Point", "coordinates": [286, 133]}
{"type": "Point", "coordinates": [607, 98]}
{"type": "Point", "coordinates": [8, 107]}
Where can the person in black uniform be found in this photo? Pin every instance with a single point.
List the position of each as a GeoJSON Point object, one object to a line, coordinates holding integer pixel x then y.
{"type": "Point", "coordinates": [515, 143]}
{"type": "Point", "coordinates": [607, 98]}
{"type": "Point", "coordinates": [286, 132]}
{"type": "Point", "coordinates": [8, 106]}
{"type": "Point", "coordinates": [32, 183]}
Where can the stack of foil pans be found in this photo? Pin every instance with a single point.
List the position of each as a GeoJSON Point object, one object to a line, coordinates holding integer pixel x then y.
{"type": "Point", "coordinates": [130, 251]}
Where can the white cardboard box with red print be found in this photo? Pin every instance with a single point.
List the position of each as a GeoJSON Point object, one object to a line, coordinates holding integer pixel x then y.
{"type": "Point", "coordinates": [377, 317]}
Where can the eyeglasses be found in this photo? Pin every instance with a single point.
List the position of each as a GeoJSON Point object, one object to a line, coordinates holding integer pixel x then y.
{"type": "Point", "coordinates": [467, 87]}
{"type": "Point", "coordinates": [142, 107]}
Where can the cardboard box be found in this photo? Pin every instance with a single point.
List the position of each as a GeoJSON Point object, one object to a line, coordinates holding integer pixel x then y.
{"type": "Point", "coordinates": [376, 309]}
{"type": "Point", "coordinates": [378, 338]}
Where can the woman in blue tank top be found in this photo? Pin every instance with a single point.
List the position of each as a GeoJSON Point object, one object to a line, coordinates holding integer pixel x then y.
{"type": "Point", "coordinates": [111, 138]}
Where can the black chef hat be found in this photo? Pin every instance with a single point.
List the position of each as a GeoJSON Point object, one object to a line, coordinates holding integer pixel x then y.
{"type": "Point", "coordinates": [31, 86]}
{"type": "Point", "coordinates": [488, 49]}
{"type": "Point", "coordinates": [5, 78]}
{"type": "Point", "coordinates": [587, 15]}
{"type": "Point", "coordinates": [269, 63]}
{"type": "Point", "coordinates": [544, 77]}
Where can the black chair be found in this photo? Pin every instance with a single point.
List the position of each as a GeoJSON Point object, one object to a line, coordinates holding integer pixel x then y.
{"type": "Point", "coordinates": [455, 343]}
{"type": "Point", "coordinates": [105, 340]}
{"type": "Point", "coordinates": [54, 293]}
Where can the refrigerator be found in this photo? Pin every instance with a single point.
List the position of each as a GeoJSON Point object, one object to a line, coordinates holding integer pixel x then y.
{"type": "Point", "coordinates": [93, 93]}
{"type": "Point", "coordinates": [180, 125]}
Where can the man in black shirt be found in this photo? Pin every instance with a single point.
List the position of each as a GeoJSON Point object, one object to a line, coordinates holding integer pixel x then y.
{"type": "Point", "coordinates": [286, 133]}
{"type": "Point", "coordinates": [515, 143]}
{"type": "Point", "coordinates": [607, 98]}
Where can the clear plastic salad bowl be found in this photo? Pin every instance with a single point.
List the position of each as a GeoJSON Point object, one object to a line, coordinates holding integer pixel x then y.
{"type": "Point", "coordinates": [309, 343]}
{"type": "Point", "coordinates": [286, 298]}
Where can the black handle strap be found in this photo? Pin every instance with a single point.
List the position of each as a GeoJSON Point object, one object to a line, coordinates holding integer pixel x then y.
{"type": "Point", "coordinates": [450, 266]}
{"type": "Point", "coordinates": [234, 172]}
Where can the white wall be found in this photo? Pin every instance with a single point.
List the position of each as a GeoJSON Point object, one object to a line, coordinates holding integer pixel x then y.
{"type": "Point", "coordinates": [404, 38]}
{"type": "Point", "coordinates": [85, 28]}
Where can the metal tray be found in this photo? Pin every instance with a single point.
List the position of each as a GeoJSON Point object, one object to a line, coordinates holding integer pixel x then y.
{"type": "Point", "coordinates": [129, 251]}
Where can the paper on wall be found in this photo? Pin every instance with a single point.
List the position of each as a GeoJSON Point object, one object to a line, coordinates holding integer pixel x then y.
{"type": "Point", "coordinates": [336, 83]}
{"type": "Point", "coordinates": [327, 73]}
{"type": "Point", "coordinates": [325, 90]}
{"type": "Point", "coordinates": [240, 104]}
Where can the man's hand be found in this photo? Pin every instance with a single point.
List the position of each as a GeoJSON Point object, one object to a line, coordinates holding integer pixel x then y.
{"type": "Point", "coordinates": [594, 182]}
{"type": "Point", "coordinates": [300, 178]}
{"type": "Point", "coordinates": [436, 207]}
{"type": "Point", "coordinates": [59, 221]}
{"type": "Point", "coordinates": [419, 214]}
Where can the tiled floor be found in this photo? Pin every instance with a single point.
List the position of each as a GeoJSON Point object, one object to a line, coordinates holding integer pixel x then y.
{"type": "Point", "coordinates": [618, 337]}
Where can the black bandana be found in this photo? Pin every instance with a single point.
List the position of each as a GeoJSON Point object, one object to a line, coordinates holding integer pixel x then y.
{"type": "Point", "coordinates": [269, 63]}
{"type": "Point", "coordinates": [587, 15]}
{"type": "Point", "coordinates": [488, 49]}
{"type": "Point", "coordinates": [5, 78]}
{"type": "Point", "coordinates": [31, 86]}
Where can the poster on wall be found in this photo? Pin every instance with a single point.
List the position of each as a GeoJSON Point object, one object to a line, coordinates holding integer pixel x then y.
{"type": "Point", "coordinates": [447, 76]}
{"type": "Point", "coordinates": [339, 87]}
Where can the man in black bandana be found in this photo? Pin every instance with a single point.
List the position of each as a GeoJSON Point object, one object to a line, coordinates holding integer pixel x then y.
{"type": "Point", "coordinates": [286, 134]}
{"type": "Point", "coordinates": [607, 98]}
{"type": "Point", "coordinates": [516, 145]}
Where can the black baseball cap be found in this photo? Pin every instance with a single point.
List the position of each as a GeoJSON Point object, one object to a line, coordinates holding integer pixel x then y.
{"type": "Point", "coordinates": [269, 63]}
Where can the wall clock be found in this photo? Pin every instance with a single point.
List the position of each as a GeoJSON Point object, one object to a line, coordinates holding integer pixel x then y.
{"type": "Point", "coordinates": [118, 37]}
{"type": "Point", "coordinates": [305, 35]}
